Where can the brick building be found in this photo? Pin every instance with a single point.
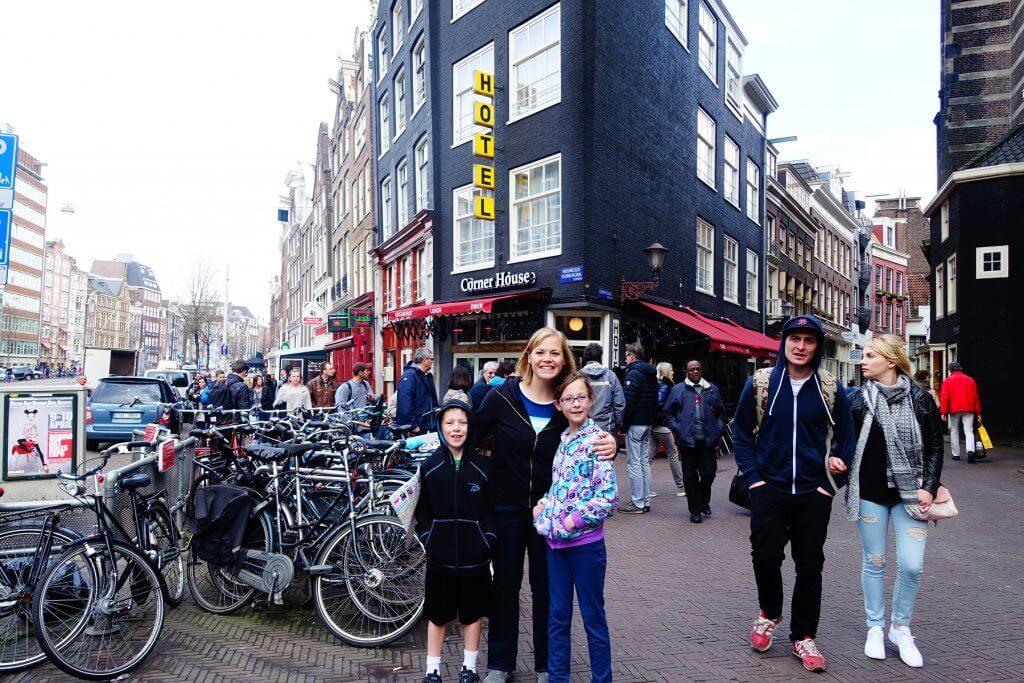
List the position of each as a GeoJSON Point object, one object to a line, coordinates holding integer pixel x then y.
{"type": "Point", "coordinates": [791, 235]}
{"type": "Point", "coordinates": [889, 261]}
{"type": "Point", "coordinates": [144, 293]}
{"type": "Point", "coordinates": [58, 318]}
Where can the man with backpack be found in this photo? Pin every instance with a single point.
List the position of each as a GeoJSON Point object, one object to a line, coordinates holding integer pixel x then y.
{"type": "Point", "coordinates": [356, 390]}
{"type": "Point", "coordinates": [793, 431]}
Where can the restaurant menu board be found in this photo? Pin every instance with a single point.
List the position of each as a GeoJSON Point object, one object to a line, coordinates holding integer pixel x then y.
{"type": "Point", "coordinates": [39, 435]}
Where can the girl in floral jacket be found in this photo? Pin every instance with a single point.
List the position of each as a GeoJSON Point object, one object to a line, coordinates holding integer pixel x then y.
{"type": "Point", "coordinates": [571, 517]}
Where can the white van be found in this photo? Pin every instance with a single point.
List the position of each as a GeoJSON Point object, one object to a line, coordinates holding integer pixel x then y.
{"type": "Point", "coordinates": [179, 379]}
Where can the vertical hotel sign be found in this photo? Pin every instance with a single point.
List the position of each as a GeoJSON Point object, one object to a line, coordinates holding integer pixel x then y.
{"type": "Point", "coordinates": [483, 145]}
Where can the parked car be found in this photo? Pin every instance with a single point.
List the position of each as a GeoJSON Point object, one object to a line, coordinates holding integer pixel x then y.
{"type": "Point", "coordinates": [21, 372]}
{"type": "Point", "coordinates": [121, 404]}
{"type": "Point", "coordinates": [179, 379]}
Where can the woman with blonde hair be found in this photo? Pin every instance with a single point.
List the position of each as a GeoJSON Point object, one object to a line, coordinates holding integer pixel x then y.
{"type": "Point", "coordinates": [294, 394]}
{"type": "Point", "coordinates": [525, 430]}
{"type": "Point", "coordinates": [662, 434]}
{"type": "Point", "coordinates": [893, 478]}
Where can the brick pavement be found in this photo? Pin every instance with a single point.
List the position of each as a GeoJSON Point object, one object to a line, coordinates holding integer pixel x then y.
{"type": "Point", "coordinates": [680, 598]}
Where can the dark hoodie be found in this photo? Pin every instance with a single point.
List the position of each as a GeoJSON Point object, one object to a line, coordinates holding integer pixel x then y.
{"type": "Point", "coordinates": [641, 390]}
{"type": "Point", "coordinates": [788, 452]}
{"type": "Point", "coordinates": [453, 518]}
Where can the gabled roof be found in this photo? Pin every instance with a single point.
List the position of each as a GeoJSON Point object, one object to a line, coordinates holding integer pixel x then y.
{"type": "Point", "coordinates": [106, 286]}
{"type": "Point", "coordinates": [920, 290]}
{"type": "Point", "coordinates": [1008, 150]}
{"type": "Point", "coordinates": [242, 311]}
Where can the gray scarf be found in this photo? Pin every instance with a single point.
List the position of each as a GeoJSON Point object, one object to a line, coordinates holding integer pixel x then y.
{"type": "Point", "coordinates": [893, 408]}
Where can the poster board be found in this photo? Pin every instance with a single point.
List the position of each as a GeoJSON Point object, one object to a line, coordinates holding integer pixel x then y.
{"type": "Point", "coordinates": [41, 431]}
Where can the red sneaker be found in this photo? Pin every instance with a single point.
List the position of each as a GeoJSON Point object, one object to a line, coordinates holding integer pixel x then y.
{"type": "Point", "coordinates": [808, 653]}
{"type": "Point", "coordinates": [761, 635]}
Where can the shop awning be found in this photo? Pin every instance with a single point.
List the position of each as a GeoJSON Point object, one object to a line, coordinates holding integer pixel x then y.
{"type": "Point", "coordinates": [45, 343]}
{"type": "Point", "coordinates": [720, 339]}
{"type": "Point", "coordinates": [464, 307]}
{"type": "Point", "coordinates": [339, 344]}
{"type": "Point", "coordinates": [759, 343]}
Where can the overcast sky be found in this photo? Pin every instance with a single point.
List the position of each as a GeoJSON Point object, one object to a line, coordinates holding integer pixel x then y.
{"type": "Point", "coordinates": [171, 127]}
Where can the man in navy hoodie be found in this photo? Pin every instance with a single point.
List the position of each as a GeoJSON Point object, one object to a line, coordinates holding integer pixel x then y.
{"type": "Point", "coordinates": [783, 461]}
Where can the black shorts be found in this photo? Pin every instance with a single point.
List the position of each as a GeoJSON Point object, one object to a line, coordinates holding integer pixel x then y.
{"type": "Point", "coordinates": [449, 596]}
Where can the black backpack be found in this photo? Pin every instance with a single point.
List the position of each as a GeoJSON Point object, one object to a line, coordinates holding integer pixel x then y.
{"type": "Point", "coordinates": [218, 518]}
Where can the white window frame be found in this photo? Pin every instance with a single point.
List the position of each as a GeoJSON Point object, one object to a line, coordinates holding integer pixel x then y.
{"type": "Point", "coordinates": [730, 270]}
{"type": "Point", "coordinates": [384, 116]}
{"type": "Point", "coordinates": [940, 290]}
{"type": "Point", "coordinates": [456, 236]}
{"type": "Point", "coordinates": [422, 172]}
{"type": "Point", "coordinates": [890, 235]}
{"type": "Point", "coordinates": [400, 87]}
{"type": "Point", "coordinates": [753, 191]}
{"type": "Point", "coordinates": [1003, 252]}
{"type": "Point", "coordinates": [386, 227]}
{"type": "Point", "coordinates": [465, 134]}
{"type": "Point", "coordinates": [419, 74]}
{"type": "Point", "coordinates": [382, 53]}
{"type": "Point", "coordinates": [677, 20]}
{"type": "Point", "coordinates": [707, 42]}
{"type": "Point", "coordinates": [731, 172]}
{"type": "Point", "coordinates": [753, 284]}
{"type": "Point", "coordinates": [513, 223]}
{"type": "Point", "coordinates": [707, 146]}
{"type": "Point", "coordinates": [706, 248]}
{"type": "Point", "coordinates": [397, 29]}
{"type": "Point", "coordinates": [415, 7]}
{"type": "Point", "coordinates": [461, 8]}
{"type": "Point", "coordinates": [516, 110]}
{"type": "Point", "coordinates": [944, 222]}
{"type": "Point", "coordinates": [951, 285]}
{"type": "Point", "coordinates": [733, 83]}
{"type": "Point", "coordinates": [402, 193]}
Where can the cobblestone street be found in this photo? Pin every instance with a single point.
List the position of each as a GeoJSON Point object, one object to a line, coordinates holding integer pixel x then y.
{"type": "Point", "coordinates": [680, 599]}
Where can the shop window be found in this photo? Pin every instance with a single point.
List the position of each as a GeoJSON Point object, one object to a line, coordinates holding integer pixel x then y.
{"type": "Point", "coordinates": [579, 327]}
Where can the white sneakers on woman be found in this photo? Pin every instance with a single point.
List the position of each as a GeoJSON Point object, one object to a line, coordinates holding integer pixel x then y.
{"type": "Point", "coordinates": [874, 646]}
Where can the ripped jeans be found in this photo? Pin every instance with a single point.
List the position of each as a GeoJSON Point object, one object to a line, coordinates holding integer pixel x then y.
{"type": "Point", "coordinates": [910, 542]}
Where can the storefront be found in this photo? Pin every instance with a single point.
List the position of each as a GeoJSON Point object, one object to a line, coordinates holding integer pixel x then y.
{"type": "Point", "coordinates": [353, 343]}
{"type": "Point", "coordinates": [307, 360]}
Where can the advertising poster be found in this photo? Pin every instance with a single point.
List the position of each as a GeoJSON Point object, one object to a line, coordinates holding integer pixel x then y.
{"type": "Point", "coordinates": [39, 438]}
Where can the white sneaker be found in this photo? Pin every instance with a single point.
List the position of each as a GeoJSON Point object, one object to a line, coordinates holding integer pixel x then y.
{"type": "Point", "coordinates": [654, 494]}
{"type": "Point", "coordinates": [874, 646]}
{"type": "Point", "coordinates": [681, 493]}
{"type": "Point", "coordinates": [901, 638]}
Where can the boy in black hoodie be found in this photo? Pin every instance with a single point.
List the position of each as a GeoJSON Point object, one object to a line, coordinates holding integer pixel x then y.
{"type": "Point", "coordinates": [453, 522]}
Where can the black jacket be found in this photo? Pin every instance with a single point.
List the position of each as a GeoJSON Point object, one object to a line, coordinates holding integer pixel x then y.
{"type": "Point", "coordinates": [268, 394]}
{"type": "Point", "coordinates": [219, 396]}
{"type": "Point", "coordinates": [241, 394]}
{"type": "Point", "coordinates": [453, 518]}
{"type": "Point", "coordinates": [521, 459]}
{"type": "Point", "coordinates": [478, 392]}
{"type": "Point", "coordinates": [932, 430]}
{"type": "Point", "coordinates": [641, 390]}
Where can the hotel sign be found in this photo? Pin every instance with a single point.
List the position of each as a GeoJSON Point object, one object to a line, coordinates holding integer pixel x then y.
{"type": "Point", "coordinates": [500, 280]}
{"type": "Point", "coordinates": [483, 146]}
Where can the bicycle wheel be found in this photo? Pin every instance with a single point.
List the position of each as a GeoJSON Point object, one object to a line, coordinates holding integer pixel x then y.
{"type": "Point", "coordinates": [18, 543]}
{"type": "Point", "coordinates": [216, 589]}
{"type": "Point", "coordinates": [99, 616]}
{"type": "Point", "coordinates": [377, 600]}
{"type": "Point", "coordinates": [165, 550]}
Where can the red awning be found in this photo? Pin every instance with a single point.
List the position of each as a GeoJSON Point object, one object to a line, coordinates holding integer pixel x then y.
{"type": "Point", "coordinates": [759, 344]}
{"type": "Point", "coordinates": [339, 344]}
{"type": "Point", "coordinates": [720, 338]}
{"type": "Point", "coordinates": [464, 307]}
{"type": "Point", "coordinates": [45, 343]}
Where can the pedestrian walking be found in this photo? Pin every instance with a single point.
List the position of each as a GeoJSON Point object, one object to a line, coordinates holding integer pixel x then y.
{"type": "Point", "coordinates": [417, 395]}
{"type": "Point", "coordinates": [923, 379]}
{"type": "Point", "coordinates": [294, 394]}
{"type": "Point", "coordinates": [506, 369]}
{"type": "Point", "coordinates": [641, 391]}
{"type": "Point", "coordinates": [609, 402]}
{"type": "Point", "coordinates": [454, 523]}
{"type": "Point", "coordinates": [520, 419]}
{"type": "Point", "coordinates": [481, 386]}
{"type": "Point", "coordinates": [787, 421]}
{"type": "Point", "coordinates": [241, 397]}
{"type": "Point", "coordinates": [356, 392]}
{"type": "Point", "coordinates": [459, 384]}
{"type": "Point", "coordinates": [661, 435]}
{"type": "Point", "coordinates": [218, 395]}
{"type": "Point", "coordinates": [695, 414]}
{"type": "Point", "coordinates": [961, 408]}
{"type": "Point", "coordinates": [269, 393]}
{"type": "Point", "coordinates": [896, 468]}
{"type": "Point", "coordinates": [322, 387]}
{"type": "Point", "coordinates": [571, 517]}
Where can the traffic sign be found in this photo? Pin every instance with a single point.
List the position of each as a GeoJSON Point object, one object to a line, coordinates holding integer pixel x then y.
{"type": "Point", "coordinates": [5, 236]}
{"type": "Point", "coordinates": [8, 169]}
{"type": "Point", "coordinates": [856, 355]}
{"type": "Point", "coordinates": [223, 349]}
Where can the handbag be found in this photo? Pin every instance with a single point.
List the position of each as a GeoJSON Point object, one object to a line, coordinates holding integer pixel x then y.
{"type": "Point", "coordinates": [942, 507]}
{"type": "Point", "coordinates": [739, 493]}
{"type": "Point", "coordinates": [986, 440]}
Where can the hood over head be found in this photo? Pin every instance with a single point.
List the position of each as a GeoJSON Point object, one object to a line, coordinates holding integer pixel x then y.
{"type": "Point", "coordinates": [802, 323]}
{"type": "Point", "coordinates": [470, 435]}
{"type": "Point", "coordinates": [593, 369]}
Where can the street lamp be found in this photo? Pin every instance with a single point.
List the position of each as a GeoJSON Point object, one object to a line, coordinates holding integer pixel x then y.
{"type": "Point", "coordinates": [631, 291]}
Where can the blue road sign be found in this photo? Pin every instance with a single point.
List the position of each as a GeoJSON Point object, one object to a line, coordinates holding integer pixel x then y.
{"type": "Point", "coordinates": [8, 169]}
{"type": "Point", "coordinates": [572, 274]}
{"type": "Point", "coordinates": [5, 236]}
{"type": "Point", "coordinates": [223, 349]}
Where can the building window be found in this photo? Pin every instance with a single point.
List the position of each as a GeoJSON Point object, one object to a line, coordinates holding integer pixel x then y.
{"type": "Point", "coordinates": [419, 74]}
{"type": "Point", "coordinates": [899, 283]}
{"type": "Point", "coordinates": [705, 148]}
{"type": "Point", "coordinates": [402, 198]}
{"type": "Point", "coordinates": [753, 192]}
{"type": "Point", "coordinates": [705, 257]}
{"type": "Point", "coordinates": [385, 208]}
{"type": "Point", "coordinates": [461, 7]}
{"type": "Point", "coordinates": [382, 53]}
{"type": "Point", "coordinates": [944, 222]}
{"type": "Point", "coordinates": [890, 236]}
{"type": "Point", "coordinates": [731, 175]}
{"type": "Point", "coordinates": [888, 279]}
{"type": "Point", "coordinates": [772, 162]}
{"type": "Point", "coordinates": [752, 284]}
{"type": "Point", "coordinates": [940, 291]}
{"type": "Point", "coordinates": [417, 7]}
{"type": "Point", "coordinates": [676, 20]}
{"type": "Point", "coordinates": [400, 103]}
{"type": "Point", "coordinates": [707, 44]}
{"type": "Point", "coordinates": [992, 262]}
{"type": "Point", "coordinates": [385, 124]}
{"type": "Point", "coordinates": [398, 27]}
{"type": "Point", "coordinates": [422, 174]}
{"type": "Point", "coordinates": [898, 320]}
{"type": "Point", "coordinates": [733, 78]}
{"type": "Point", "coordinates": [878, 277]}
{"type": "Point", "coordinates": [474, 238]}
{"type": "Point", "coordinates": [731, 269]}
{"type": "Point", "coordinates": [535, 64]}
{"type": "Point", "coordinates": [951, 284]}
{"type": "Point", "coordinates": [463, 96]}
{"type": "Point", "coordinates": [536, 222]}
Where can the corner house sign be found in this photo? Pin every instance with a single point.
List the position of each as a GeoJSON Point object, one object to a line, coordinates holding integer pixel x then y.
{"type": "Point", "coordinates": [498, 281]}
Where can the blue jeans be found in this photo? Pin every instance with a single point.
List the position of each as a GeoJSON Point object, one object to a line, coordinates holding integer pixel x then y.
{"type": "Point", "coordinates": [638, 464]}
{"type": "Point", "coordinates": [582, 567]}
{"type": "Point", "coordinates": [910, 542]}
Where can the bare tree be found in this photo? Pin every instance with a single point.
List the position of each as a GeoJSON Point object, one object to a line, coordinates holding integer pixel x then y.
{"type": "Point", "coordinates": [199, 309]}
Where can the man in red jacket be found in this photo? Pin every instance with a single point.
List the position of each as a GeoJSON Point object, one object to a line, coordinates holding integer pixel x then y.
{"type": "Point", "coordinates": [959, 405]}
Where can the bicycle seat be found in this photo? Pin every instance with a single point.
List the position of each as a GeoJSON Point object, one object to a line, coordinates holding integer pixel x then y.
{"type": "Point", "coordinates": [379, 444]}
{"type": "Point", "coordinates": [297, 448]}
{"type": "Point", "coordinates": [135, 481]}
{"type": "Point", "coordinates": [262, 451]}
{"type": "Point", "coordinates": [400, 428]}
